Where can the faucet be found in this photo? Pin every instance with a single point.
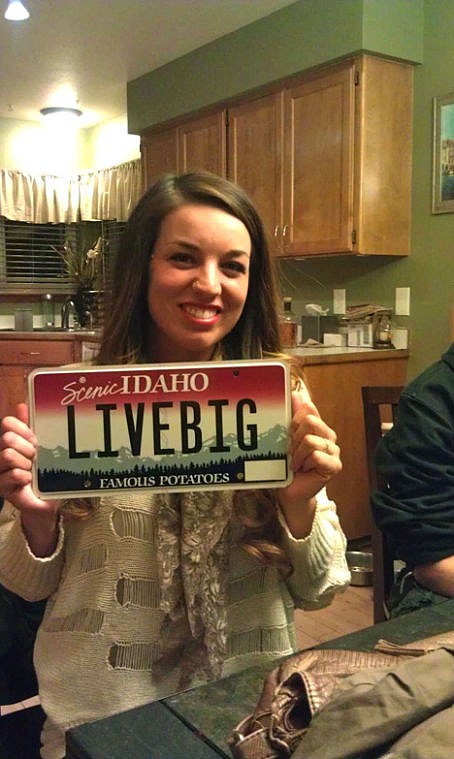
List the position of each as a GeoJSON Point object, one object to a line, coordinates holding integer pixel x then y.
{"type": "Point", "coordinates": [68, 310]}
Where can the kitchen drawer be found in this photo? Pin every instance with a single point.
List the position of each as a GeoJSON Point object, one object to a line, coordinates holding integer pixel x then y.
{"type": "Point", "coordinates": [36, 352]}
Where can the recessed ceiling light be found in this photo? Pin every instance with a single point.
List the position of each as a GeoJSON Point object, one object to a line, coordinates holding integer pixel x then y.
{"type": "Point", "coordinates": [16, 11]}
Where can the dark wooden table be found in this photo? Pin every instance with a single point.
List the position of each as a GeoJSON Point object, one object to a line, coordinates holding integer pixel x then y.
{"type": "Point", "coordinates": [197, 723]}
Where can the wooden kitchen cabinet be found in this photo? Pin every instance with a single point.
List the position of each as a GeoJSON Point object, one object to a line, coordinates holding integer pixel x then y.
{"type": "Point", "coordinates": [19, 356]}
{"type": "Point", "coordinates": [318, 163]}
{"type": "Point", "coordinates": [159, 152]}
{"type": "Point", "coordinates": [255, 157]}
{"type": "Point", "coordinates": [347, 159]}
{"type": "Point", "coordinates": [325, 156]}
{"type": "Point", "coordinates": [195, 145]}
{"type": "Point", "coordinates": [335, 384]}
{"type": "Point", "coordinates": [202, 144]}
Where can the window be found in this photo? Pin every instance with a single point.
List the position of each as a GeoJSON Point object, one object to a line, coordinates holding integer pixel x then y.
{"type": "Point", "coordinates": [29, 261]}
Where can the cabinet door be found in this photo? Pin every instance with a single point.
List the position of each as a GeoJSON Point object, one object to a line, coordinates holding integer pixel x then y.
{"type": "Point", "coordinates": [13, 388]}
{"type": "Point", "coordinates": [19, 357]}
{"type": "Point", "coordinates": [336, 390]}
{"type": "Point", "coordinates": [202, 144]}
{"type": "Point", "coordinates": [159, 154]}
{"type": "Point", "coordinates": [255, 158]}
{"type": "Point", "coordinates": [319, 141]}
{"type": "Point", "coordinates": [383, 173]}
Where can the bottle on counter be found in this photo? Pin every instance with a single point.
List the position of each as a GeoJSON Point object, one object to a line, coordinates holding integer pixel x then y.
{"type": "Point", "coordinates": [288, 325]}
{"type": "Point", "coordinates": [48, 311]}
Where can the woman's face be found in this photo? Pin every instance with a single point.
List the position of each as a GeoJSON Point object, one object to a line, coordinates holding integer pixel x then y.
{"type": "Point", "coordinates": [199, 278]}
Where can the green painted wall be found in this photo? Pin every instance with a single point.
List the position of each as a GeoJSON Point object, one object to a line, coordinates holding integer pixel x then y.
{"type": "Point", "coordinates": [394, 28]}
{"type": "Point", "coordinates": [297, 37]}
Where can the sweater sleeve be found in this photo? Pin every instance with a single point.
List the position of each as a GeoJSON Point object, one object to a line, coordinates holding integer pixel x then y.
{"type": "Point", "coordinates": [415, 507]}
{"type": "Point", "coordinates": [319, 564]}
{"type": "Point", "coordinates": [29, 576]}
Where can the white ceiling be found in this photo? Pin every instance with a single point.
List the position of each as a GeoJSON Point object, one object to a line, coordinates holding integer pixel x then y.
{"type": "Point", "coordinates": [90, 49]}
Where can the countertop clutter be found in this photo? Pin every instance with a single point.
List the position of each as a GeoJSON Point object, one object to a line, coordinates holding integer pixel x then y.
{"type": "Point", "coordinates": [315, 354]}
{"type": "Point", "coordinates": [45, 334]}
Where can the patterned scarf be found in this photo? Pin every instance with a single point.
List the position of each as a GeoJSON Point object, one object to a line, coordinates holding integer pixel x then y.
{"type": "Point", "coordinates": [193, 555]}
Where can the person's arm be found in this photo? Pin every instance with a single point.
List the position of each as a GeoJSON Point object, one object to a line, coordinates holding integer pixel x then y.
{"type": "Point", "coordinates": [31, 533]}
{"type": "Point", "coordinates": [22, 572]}
{"type": "Point", "coordinates": [315, 459]}
{"type": "Point", "coordinates": [438, 576]}
{"type": "Point", "coordinates": [416, 459]}
{"type": "Point", "coordinates": [314, 539]}
{"type": "Point", "coordinates": [39, 518]}
{"type": "Point", "coordinates": [319, 563]}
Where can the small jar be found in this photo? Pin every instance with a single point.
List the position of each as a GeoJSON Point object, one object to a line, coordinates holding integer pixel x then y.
{"type": "Point", "coordinates": [382, 330]}
{"type": "Point", "coordinates": [288, 325]}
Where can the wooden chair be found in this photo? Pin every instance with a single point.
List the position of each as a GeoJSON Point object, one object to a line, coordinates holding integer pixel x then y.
{"type": "Point", "coordinates": [380, 409]}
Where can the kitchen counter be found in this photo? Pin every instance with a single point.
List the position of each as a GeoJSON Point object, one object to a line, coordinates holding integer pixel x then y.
{"type": "Point", "coordinates": [325, 354]}
{"type": "Point", "coordinates": [322, 354]}
{"type": "Point", "coordinates": [54, 334]}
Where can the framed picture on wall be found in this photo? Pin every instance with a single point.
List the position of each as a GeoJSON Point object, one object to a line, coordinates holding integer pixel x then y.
{"type": "Point", "coordinates": [443, 154]}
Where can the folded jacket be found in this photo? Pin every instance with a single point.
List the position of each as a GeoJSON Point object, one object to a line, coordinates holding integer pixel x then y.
{"type": "Point", "coordinates": [372, 709]}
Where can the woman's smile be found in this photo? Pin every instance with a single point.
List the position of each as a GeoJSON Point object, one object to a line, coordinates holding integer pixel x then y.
{"type": "Point", "coordinates": [201, 313]}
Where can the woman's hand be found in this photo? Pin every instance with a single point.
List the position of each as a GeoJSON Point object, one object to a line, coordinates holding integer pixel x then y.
{"type": "Point", "coordinates": [17, 451]}
{"type": "Point", "coordinates": [315, 460]}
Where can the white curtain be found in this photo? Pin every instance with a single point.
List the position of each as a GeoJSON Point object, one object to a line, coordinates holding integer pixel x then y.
{"type": "Point", "coordinates": [104, 194]}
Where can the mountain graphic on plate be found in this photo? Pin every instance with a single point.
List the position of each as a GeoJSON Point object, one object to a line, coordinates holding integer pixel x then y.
{"type": "Point", "coordinates": [274, 439]}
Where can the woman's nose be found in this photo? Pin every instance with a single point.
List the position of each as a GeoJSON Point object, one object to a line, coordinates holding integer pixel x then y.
{"type": "Point", "coordinates": [208, 281]}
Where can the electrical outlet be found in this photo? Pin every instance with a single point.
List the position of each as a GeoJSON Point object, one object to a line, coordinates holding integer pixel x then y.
{"type": "Point", "coordinates": [339, 302]}
{"type": "Point", "coordinates": [402, 306]}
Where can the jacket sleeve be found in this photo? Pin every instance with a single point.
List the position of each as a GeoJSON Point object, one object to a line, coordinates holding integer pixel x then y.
{"type": "Point", "coordinates": [29, 576]}
{"type": "Point", "coordinates": [319, 564]}
{"type": "Point", "coordinates": [415, 508]}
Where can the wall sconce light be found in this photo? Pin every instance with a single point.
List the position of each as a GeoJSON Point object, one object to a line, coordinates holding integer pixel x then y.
{"type": "Point", "coordinates": [16, 11]}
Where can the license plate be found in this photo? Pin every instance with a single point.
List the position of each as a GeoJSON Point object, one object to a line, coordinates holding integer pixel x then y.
{"type": "Point", "coordinates": [170, 427]}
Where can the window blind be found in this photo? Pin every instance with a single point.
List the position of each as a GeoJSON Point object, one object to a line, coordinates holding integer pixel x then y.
{"type": "Point", "coordinates": [30, 263]}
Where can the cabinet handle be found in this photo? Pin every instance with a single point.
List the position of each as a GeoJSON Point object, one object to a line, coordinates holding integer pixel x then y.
{"type": "Point", "coordinates": [276, 230]}
{"type": "Point", "coordinates": [284, 230]}
{"type": "Point", "coordinates": [30, 353]}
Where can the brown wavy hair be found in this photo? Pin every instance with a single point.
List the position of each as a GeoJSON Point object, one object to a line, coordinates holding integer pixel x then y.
{"type": "Point", "coordinates": [256, 334]}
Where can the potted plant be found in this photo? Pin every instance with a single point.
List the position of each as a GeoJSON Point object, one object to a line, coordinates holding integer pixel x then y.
{"type": "Point", "coordinates": [86, 269]}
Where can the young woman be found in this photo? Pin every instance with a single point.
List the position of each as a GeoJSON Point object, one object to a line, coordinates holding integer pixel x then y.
{"type": "Point", "coordinates": [152, 592]}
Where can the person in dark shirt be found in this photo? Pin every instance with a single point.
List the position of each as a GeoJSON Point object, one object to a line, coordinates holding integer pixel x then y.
{"type": "Point", "coordinates": [416, 507]}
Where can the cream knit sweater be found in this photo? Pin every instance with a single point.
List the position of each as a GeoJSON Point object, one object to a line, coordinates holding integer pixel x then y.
{"type": "Point", "coordinates": [95, 648]}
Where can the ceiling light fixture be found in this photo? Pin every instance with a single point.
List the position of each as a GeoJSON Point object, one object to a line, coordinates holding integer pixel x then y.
{"type": "Point", "coordinates": [61, 112]}
{"type": "Point", "coordinates": [16, 11]}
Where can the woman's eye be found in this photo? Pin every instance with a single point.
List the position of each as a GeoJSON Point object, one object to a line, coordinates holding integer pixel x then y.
{"type": "Point", "coordinates": [184, 259]}
{"type": "Point", "coordinates": [235, 266]}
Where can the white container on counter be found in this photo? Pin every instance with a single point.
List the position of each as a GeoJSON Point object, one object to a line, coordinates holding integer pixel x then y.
{"type": "Point", "coordinates": [360, 335]}
{"type": "Point", "coordinates": [23, 319]}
